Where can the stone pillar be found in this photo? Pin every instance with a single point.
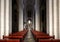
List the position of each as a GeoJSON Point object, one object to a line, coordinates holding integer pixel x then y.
{"type": "Point", "coordinates": [2, 19]}
{"type": "Point", "coordinates": [10, 16]}
{"type": "Point", "coordinates": [47, 15]}
{"type": "Point", "coordinates": [37, 16]}
{"type": "Point", "coordinates": [20, 15]}
{"type": "Point", "coordinates": [7, 18]}
{"type": "Point", "coordinates": [59, 19]}
{"type": "Point", "coordinates": [55, 18]}
{"type": "Point", "coordinates": [50, 18]}
{"type": "Point", "coordinates": [33, 20]}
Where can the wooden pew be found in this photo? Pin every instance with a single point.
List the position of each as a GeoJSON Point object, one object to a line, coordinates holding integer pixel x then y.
{"type": "Point", "coordinates": [21, 33]}
{"type": "Point", "coordinates": [13, 40]}
{"type": "Point", "coordinates": [37, 33]}
{"type": "Point", "coordinates": [40, 35]}
{"type": "Point", "coordinates": [9, 40]}
{"type": "Point", "coordinates": [49, 40]}
{"type": "Point", "coordinates": [14, 37]}
{"type": "Point", "coordinates": [17, 35]}
{"type": "Point", "coordinates": [2, 40]}
{"type": "Point", "coordinates": [44, 40]}
{"type": "Point", "coordinates": [45, 37]}
{"type": "Point", "coordinates": [56, 40]}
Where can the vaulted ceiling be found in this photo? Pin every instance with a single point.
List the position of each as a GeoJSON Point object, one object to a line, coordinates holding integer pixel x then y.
{"type": "Point", "coordinates": [29, 4]}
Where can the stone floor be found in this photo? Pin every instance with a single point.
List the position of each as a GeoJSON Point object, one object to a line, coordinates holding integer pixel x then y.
{"type": "Point", "coordinates": [29, 37]}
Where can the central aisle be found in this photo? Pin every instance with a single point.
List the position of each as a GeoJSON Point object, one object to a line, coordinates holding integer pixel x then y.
{"type": "Point", "coordinates": [29, 37]}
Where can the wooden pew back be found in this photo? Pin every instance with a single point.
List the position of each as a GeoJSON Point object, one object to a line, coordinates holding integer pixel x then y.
{"type": "Point", "coordinates": [44, 40]}
{"type": "Point", "coordinates": [10, 40]}
{"type": "Point", "coordinates": [49, 40]}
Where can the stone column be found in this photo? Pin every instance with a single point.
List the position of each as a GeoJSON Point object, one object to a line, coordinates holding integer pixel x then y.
{"type": "Point", "coordinates": [55, 18]}
{"type": "Point", "coordinates": [20, 15]}
{"type": "Point", "coordinates": [59, 19]}
{"type": "Point", "coordinates": [37, 16]}
{"type": "Point", "coordinates": [33, 20]}
{"type": "Point", "coordinates": [2, 19]}
{"type": "Point", "coordinates": [7, 18]}
{"type": "Point", "coordinates": [10, 16]}
{"type": "Point", "coordinates": [47, 15]}
{"type": "Point", "coordinates": [50, 18]}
